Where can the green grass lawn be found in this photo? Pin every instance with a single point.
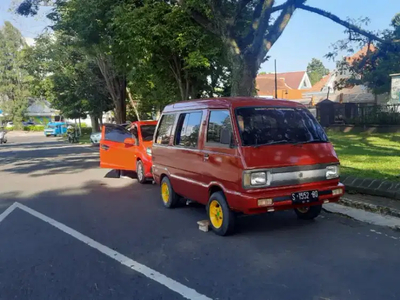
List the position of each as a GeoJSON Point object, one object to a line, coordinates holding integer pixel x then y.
{"type": "Point", "coordinates": [368, 155]}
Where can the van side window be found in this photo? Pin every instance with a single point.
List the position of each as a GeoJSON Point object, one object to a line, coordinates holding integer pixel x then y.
{"type": "Point", "coordinates": [219, 131]}
{"type": "Point", "coordinates": [187, 131]}
{"type": "Point", "coordinates": [165, 129]}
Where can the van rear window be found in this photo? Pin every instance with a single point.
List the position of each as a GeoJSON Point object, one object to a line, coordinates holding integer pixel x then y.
{"type": "Point", "coordinates": [278, 125]}
{"type": "Point", "coordinates": [165, 129]}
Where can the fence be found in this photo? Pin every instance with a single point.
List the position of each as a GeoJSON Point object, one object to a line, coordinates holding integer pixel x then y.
{"type": "Point", "coordinates": [329, 113]}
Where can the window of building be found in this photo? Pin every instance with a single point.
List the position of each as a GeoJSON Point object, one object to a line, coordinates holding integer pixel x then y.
{"type": "Point", "coordinates": [187, 132]}
{"type": "Point", "coordinates": [165, 129]}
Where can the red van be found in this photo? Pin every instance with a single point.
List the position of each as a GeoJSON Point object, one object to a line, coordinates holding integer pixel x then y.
{"type": "Point", "coordinates": [128, 148]}
{"type": "Point", "coordinates": [248, 155]}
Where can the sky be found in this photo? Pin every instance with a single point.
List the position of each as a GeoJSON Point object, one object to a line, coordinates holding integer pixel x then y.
{"type": "Point", "coordinates": [307, 35]}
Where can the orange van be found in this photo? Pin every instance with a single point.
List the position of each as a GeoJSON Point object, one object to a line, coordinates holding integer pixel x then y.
{"type": "Point", "coordinates": [246, 155]}
{"type": "Point", "coordinates": [128, 148]}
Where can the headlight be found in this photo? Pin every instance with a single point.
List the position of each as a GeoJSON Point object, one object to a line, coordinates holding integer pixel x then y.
{"type": "Point", "coordinates": [259, 178]}
{"type": "Point", "coordinates": [148, 151]}
{"type": "Point", "coordinates": [255, 179]}
{"type": "Point", "coordinates": [332, 172]}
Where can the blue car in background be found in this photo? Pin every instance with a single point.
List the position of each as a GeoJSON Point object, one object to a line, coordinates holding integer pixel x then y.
{"type": "Point", "coordinates": [55, 128]}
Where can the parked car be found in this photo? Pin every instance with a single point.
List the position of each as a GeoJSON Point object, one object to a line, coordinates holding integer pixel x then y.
{"type": "Point", "coordinates": [128, 148]}
{"type": "Point", "coordinates": [95, 138]}
{"type": "Point", "coordinates": [244, 155]}
{"type": "Point", "coordinates": [28, 123]}
{"type": "Point", "coordinates": [10, 124]}
{"type": "Point", "coordinates": [55, 129]}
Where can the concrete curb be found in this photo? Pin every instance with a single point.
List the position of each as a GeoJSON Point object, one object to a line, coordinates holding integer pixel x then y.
{"type": "Point", "coordinates": [364, 216]}
{"type": "Point", "coordinates": [374, 187]}
{"type": "Point", "coordinates": [383, 210]}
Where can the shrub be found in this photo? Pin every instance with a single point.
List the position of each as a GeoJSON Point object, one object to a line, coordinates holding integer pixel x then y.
{"type": "Point", "coordinates": [34, 128]}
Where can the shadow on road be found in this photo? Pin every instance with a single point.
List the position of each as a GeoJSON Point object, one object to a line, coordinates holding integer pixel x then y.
{"type": "Point", "coordinates": [43, 159]}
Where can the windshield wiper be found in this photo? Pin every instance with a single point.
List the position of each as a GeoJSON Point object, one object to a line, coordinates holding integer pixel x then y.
{"type": "Point", "coordinates": [310, 142]}
{"type": "Point", "coordinates": [271, 143]}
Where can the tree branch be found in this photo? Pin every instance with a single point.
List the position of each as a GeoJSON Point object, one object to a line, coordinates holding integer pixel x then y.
{"type": "Point", "coordinates": [277, 8]}
{"type": "Point", "coordinates": [205, 22]}
{"type": "Point", "coordinates": [261, 25]}
{"type": "Point", "coordinates": [277, 28]}
{"type": "Point", "coordinates": [241, 6]}
{"type": "Point", "coordinates": [336, 19]}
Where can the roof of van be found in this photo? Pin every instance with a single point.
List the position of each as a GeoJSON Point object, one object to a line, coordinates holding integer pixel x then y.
{"type": "Point", "coordinates": [231, 102]}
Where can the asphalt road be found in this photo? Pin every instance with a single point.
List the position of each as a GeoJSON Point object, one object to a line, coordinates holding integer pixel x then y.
{"type": "Point", "coordinates": [272, 256]}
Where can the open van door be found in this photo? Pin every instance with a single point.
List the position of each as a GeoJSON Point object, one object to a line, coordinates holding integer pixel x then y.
{"type": "Point", "coordinates": [116, 148]}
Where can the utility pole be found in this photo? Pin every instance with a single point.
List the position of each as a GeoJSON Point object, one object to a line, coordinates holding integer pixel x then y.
{"type": "Point", "coordinates": [276, 83]}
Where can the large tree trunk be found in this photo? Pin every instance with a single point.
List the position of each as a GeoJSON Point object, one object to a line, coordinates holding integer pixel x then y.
{"type": "Point", "coordinates": [116, 86]}
{"type": "Point", "coordinates": [133, 103]}
{"type": "Point", "coordinates": [120, 102]}
{"type": "Point", "coordinates": [244, 72]}
{"type": "Point", "coordinates": [95, 123]}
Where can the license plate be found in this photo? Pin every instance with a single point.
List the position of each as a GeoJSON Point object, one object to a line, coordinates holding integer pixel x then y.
{"type": "Point", "coordinates": [305, 197]}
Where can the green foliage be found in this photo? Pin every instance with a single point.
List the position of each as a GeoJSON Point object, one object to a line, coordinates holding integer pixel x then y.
{"type": "Point", "coordinates": [171, 57]}
{"type": "Point", "coordinates": [64, 74]}
{"type": "Point", "coordinates": [34, 128]}
{"type": "Point", "coordinates": [373, 69]}
{"type": "Point", "coordinates": [14, 81]}
{"type": "Point", "coordinates": [173, 51]}
{"type": "Point", "coordinates": [316, 70]}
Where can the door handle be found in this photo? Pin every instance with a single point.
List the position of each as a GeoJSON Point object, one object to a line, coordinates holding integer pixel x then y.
{"type": "Point", "coordinates": [105, 147]}
{"type": "Point", "coordinates": [206, 156]}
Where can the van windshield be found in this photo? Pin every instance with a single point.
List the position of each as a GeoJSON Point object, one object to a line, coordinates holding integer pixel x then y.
{"type": "Point", "coordinates": [147, 132]}
{"type": "Point", "coordinates": [278, 125]}
{"type": "Point", "coordinates": [51, 126]}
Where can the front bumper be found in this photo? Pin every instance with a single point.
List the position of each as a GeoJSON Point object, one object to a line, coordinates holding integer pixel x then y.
{"type": "Point", "coordinates": [282, 198]}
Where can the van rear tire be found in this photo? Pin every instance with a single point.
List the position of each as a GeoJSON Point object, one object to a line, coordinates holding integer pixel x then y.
{"type": "Point", "coordinates": [169, 198]}
{"type": "Point", "coordinates": [308, 213]}
{"type": "Point", "coordinates": [222, 218]}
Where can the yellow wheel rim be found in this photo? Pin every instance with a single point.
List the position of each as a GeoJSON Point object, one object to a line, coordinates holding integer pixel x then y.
{"type": "Point", "coordinates": [215, 214]}
{"type": "Point", "coordinates": [303, 210]}
{"type": "Point", "coordinates": [165, 192]}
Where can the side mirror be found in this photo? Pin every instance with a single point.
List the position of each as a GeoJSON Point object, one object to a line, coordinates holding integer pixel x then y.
{"type": "Point", "coordinates": [130, 142]}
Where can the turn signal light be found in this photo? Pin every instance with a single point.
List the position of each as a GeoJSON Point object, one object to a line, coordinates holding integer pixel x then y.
{"type": "Point", "coordinates": [337, 192]}
{"type": "Point", "coordinates": [265, 202]}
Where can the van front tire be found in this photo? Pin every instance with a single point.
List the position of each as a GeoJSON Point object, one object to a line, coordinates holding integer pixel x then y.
{"type": "Point", "coordinates": [308, 213]}
{"type": "Point", "coordinates": [222, 218]}
{"type": "Point", "coordinates": [169, 198]}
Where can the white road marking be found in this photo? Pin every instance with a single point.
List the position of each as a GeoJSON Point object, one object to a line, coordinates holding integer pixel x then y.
{"type": "Point", "coordinates": [173, 285]}
{"type": "Point", "coordinates": [389, 236]}
{"type": "Point", "coordinates": [8, 211]}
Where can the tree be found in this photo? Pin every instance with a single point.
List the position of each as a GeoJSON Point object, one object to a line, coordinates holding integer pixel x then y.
{"type": "Point", "coordinates": [75, 18]}
{"type": "Point", "coordinates": [67, 77]}
{"type": "Point", "coordinates": [316, 70]}
{"type": "Point", "coordinates": [373, 69]}
{"type": "Point", "coordinates": [172, 58]}
{"type": "Point", "coordinates": [249, 29]}
{"type": "Point", "coordinates": [14, 81]}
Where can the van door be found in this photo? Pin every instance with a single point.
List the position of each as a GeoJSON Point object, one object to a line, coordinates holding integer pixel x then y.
{"type": "Point", "coordinates": [221, 164]}
{"type": "Point", "coordinates": [187, 163]}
